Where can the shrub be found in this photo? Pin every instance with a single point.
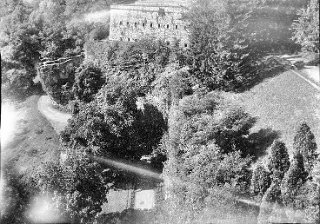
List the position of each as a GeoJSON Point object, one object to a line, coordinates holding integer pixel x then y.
{"type": "Point", "coordinates": [88, 80]}
{"type": "Point", "coordinates": [260, 181]}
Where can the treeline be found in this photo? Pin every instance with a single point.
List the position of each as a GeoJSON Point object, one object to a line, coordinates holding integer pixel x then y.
{"type": "Point", "coordinates": [31, 30]}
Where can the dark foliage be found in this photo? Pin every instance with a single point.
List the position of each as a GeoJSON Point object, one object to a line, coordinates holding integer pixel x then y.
{"type": "Point", "coordinates": [278, 163]}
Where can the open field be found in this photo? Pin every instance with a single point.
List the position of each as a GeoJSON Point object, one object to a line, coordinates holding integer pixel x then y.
{"type": "Point", "coordinates": [32, 142]}
{"type": "Point", "coordinates": [281, 103]}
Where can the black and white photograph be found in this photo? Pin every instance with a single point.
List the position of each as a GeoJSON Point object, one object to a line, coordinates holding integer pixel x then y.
{"type": "Point", "coordinates": [160, 112]}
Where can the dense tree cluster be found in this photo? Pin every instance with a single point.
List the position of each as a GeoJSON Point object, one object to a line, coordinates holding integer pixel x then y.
{"type": "Point", "coordinates": [199, 160]}
{"type": "Point", "coordinates": [294, 184]}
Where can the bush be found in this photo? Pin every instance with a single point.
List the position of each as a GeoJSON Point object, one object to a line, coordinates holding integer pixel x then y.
{"type": "Point", "coordinates": [299, 64]}
{"type": "Point", "coordinates": [88, 81]}
{"type": "Point", "coordinates": [260, 181]}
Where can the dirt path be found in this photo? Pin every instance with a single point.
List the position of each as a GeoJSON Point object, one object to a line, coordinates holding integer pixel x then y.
{"type": "Point", "coordinates": [57, 119]}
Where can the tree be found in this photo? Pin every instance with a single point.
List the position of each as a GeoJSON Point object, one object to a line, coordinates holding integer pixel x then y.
{"type": "Point", "coordinates": [17, 81]}
{"type": "Point", "coordinates": [304, 142]}
{"type": "Point", "coordinates": [197, 164]}
{"type": "Point", "coordinates": [79, 186]}
{"type": "Point", "coordinates": [306, 27]}
{"type": "Point", "coordinates": [278, 163]}
{"type": "Point", "coordinates": [112, 125]}
{"type": "Point", "coordinates": [219, 45]}
{"type": "Point", "coordinates": [270, 25]}
{"type": "Point", "coordinates": [88, 80]}
{"type": "Point", "coordinates": [260, 181]}
{"type": "Point", "coordinates": [293, 179]}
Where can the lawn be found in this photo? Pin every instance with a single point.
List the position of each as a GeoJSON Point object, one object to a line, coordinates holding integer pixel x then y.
{"type": "Point", "coordinates": [34, 141]}
{"type": "Point", "coordinates": [281, 103]}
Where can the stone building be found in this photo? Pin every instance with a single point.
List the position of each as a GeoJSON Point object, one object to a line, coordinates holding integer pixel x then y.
{"type": "Point", "coordinates": [156, 19]}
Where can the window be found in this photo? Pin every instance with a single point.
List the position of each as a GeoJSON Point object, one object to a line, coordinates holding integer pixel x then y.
{"type": "Point", "coordinates": [168, 42]}
{"type": "Point", "coordinates": [135, 24]}
{"type": "Point", "coordinates": [143, 24]}
{"type": "Point", "coordinates": [128, 39]}
{"type": "Point", "coordinates": [168, 26]}
{"type": "Point", "coordinates": [150, 24]}
{"type": "Point", "coordinates": [185, 45]}
{"type": "Point", "coordinates": [176, 27]}
{"type": "Point", "coordinates": [159, 25]}
{"type": "Point", "coordinates": [120, 23]}
{"type": "Point", "coordinates": [120, 38]}
{"type": "Point", "coordinates": [128, 23]}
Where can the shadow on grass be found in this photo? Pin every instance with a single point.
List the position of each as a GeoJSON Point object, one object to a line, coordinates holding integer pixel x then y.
{"type": "Point", "coordinates": [261, 140]}
{"type": "Point", "coordinates": [267, 69]}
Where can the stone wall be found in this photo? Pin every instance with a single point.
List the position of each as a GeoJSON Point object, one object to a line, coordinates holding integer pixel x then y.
{"type": "Point", "coordinates": [149, 19]}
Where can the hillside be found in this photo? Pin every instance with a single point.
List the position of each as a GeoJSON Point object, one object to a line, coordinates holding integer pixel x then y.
{"type": "Point", "coordinates": [33, 141]}
{"type": "Point", "coordinates": [281, 103]}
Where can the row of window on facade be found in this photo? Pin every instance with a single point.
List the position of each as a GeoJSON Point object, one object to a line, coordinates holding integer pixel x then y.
{"type": "Point", "coordinates": [152, 25]}
{"type": "Point", "coordinates": [131, 39]}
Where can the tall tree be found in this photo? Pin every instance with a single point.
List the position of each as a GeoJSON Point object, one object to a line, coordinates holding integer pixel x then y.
{"type": "Point", "coordinates": [278, 163]}
{"type": "Point", "coordinates": [219, 47]}
{"type": "Point", "coordinates": [78, 186]}
{"type": "Point", "coordinates": [305, 143]}
{"type": "Point", "coordinates": [197, 162]}
{"type": "Point", "coordinates": [306, 27]}
{"type": "Point", "coordinates": [293, 179]}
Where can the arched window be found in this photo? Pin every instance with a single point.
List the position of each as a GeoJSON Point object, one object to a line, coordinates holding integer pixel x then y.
{"type": "Point", "coordinates": [151, 25]}
{"type": "Point", "coordinates": [168, 26]}
{"type": "Point", "coordinates": [185, 45]}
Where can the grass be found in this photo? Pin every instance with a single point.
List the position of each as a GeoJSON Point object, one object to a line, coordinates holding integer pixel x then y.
{"type": "Point", "coordinates": [280, 104]}
{"type": "Point", "coordinates": [35, 142]}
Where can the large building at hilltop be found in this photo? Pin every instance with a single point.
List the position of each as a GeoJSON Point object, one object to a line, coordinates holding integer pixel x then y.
{"type": "Point", "coordinates": [155, 19]}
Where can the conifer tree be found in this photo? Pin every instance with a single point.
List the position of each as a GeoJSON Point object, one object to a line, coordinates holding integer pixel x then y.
{"type": "Point", "coordinates": [260, 180]}
{"type": "Point", "coordinates": [304, 142]}
{"type": "Point", "coordinates": [293, 179]}
{"type": "Point", "coordinates": [278, 163]}
{"type": "Point", "coordinates": [306, 28]}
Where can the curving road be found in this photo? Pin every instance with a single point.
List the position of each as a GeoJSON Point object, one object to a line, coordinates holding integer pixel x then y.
{"type": "Point", "coordinates": [57, 119]}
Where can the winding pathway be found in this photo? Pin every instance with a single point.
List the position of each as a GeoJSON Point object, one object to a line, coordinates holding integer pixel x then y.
{"type": "Point", "coordinates": [57, 119]}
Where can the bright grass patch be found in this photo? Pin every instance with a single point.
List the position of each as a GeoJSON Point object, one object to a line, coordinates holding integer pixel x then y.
{"type": "Point", "coordinates": [282, 103]}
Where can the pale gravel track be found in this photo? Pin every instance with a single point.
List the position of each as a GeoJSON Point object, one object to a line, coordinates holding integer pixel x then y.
{"type": "Point", "coordinates": [57, 119]}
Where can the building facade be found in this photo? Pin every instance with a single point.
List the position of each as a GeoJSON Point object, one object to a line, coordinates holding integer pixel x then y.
{"type": "Point", "coordinates": [145, 19]}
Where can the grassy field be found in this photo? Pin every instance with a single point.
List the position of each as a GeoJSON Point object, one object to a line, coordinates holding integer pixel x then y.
{"type": "Point", "coordinates": [33, 142]}
{"type": "Point", "coordinates": [280, 104]}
